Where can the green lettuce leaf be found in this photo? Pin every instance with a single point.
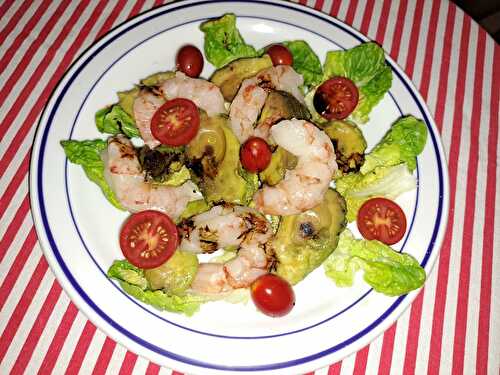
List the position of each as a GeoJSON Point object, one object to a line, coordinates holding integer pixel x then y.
{"type": "Point", "coordinates": [365, 65]}
{"type": "Point", "coordinates": [385, 270]}
{"type": "Point", "coordinates": [223, 42]}
{"type": "Point", "coordinates": [388, 182]}
{"type": "Point", "coordinates": [133, 282]}
{"type": "Point", "coordinates": [401, 144]}
{"type": "Point", "coordinates": [88, 155]}
{"type": "Point", "coordinates": [187, 304]}
{"type": "Point", "coordinates": [123, 270]}
{"type": "Point", "coordinates": [305, 62]}
{"type": "Point", "coordinates": [114, 120]}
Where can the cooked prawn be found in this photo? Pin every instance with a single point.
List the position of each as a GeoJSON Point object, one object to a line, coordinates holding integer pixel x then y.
{"type": "Point", "coordinates": [125, 176]}
{"type": "Point", "coordinates": [204, 94]}
{"type": "Point", "coordinates": [252, 95]}
{"type": "Point", "coordinates": [145, 106]}
{"type": "Point", "coordinates": [303, 187]}
{"type": "Point", "coordinates": [228, 225]}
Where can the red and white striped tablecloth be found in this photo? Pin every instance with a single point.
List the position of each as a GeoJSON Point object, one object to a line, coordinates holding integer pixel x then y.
{"type": "Point", "coordinates": [453, 327]}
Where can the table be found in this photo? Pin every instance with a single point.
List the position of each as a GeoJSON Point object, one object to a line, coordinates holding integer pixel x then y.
{"type": "Point", "coordinates": [454, 324]}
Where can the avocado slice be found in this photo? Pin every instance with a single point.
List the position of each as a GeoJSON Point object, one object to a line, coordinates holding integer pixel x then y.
{"type": "Point", "coordinates": [221, 179]}
{"type": "Point", "coordinates": [305, 240]}
{"type": "Point", "coordinates": [281, 160]}
{"type": "Point", "coordinates": [207, 149]}
{"type": "Point", "coordinates": [126, 100]}
{"type": "Point", "coordinates": [229, 77]}
{"type": "Point", "coordinates": [280, 105]}
{"type": "Point", "coordinates": [349, 144]}
{"type": "Point", "coordinates": [175, 275]}
{"type": "Point", "coordinates": [157, 78]}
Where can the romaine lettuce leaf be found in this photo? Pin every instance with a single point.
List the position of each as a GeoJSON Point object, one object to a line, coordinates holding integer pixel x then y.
{"type": "Point", "coordinates": [123, 270]}
{"type": "Point", "coordinates": [305, 62]}
{"type": "Point", "coordinates": [187, 304]}
{"type": "Point", "coordinates": [223, 42]}
{"type": "Point", "coordinates": [114, 120]}
{"type": "Point", "coordinates": [88, 155]}
{"type": "Point", "coordinates": [365, 65]}
{"type": "Point", "coordinates": [388, 182]}
{"type": "Point", "coordinates": [133, 282]}
{"type": "Point", "coordinates": [385, 270]}
{"type": "Point", "coordinates": [401, 144]}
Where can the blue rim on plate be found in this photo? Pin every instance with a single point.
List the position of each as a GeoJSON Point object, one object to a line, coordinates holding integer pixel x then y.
{"type": "Point", "coordinates": [38, 159]}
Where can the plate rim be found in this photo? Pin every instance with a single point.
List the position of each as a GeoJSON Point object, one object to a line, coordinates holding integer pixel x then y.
{"type": "Point", "coordinates": [73, 292]}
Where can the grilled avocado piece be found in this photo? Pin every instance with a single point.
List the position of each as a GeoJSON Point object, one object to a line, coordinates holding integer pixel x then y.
{"type": "Point", "coordinates": [304, 241]}
{"type": "Point", "coordinates": [281, 160]}
{"type": "Point", "coordinates": [349, 143]}
{"type": "Point", "coordinates": [280, 105]}
{"type": "Point", "coordinates": [214, 160]}
{"type": "Point", "coordinates": [229, 77]}
{"type": "Point", "coordinates": [207, 149]}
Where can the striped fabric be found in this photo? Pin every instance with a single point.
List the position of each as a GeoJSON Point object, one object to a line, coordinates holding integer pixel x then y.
{"type": "Point", "coordinates": [453, 327]}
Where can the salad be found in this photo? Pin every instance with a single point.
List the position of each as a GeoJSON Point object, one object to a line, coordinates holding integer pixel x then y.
{"type": "Point", "coordinates": [240, 185]}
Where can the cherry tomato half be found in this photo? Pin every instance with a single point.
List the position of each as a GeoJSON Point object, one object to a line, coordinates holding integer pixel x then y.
{"type": "Point", "coordinates": [272, 295]}
{"type": "Point", "coordinates": [255, 154]}
{"type": "Point", "coordinates": [381, 219]}
{"type": "Point", "coordinates": [148, 239]}
{"type": "Point", "coordinates": [176, 122]}
{"type": "Point", "coordinates": [280, 55]}
{"type": "Point", "coordinates": [336, 98]}
{"type": "Point", "coordinates": [189, 60]}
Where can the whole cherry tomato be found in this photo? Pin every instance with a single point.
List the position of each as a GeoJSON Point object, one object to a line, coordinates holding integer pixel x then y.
{"type": "Point", "coordinates": [280, 55]}
{"type": "Point", "coordinates": [189, 60]}
{"type": "Point", "coordinates": [255, 154]}
{"type": "Point", "coordinates": [272, 295]}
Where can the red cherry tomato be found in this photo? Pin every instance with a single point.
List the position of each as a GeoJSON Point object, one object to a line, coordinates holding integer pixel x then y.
{"type": "Point", "coordinates": [189, 60]}
{"type": "Point", "coordinates": [280, 55]}
{"type": "Point", "coordinates": [381, 219]}
{"type": "Point", "coordinates": [255, 154]}
{"type": "Point", "coordinates": [272, 295]}
{"type": "Point", "coordinates": [176, 122]}
{"type": "Point", "coordinates": [148, 239]}
{"type": "Point", "coordinates": [336, 98]}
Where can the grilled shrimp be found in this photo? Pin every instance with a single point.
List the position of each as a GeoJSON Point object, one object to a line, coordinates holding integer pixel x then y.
{"type": "Point", "coordinates": [204, 94]}
{"type": "Point", "coordinates": [125, 176]}
{"type": "Point", "coordinates": [228, 225]}
{"type": "Point", "coordinates": [145, 106]}
{"type": "Point", "coordinates": [303, 187]}
{"type": "Point", "coordinates": [252, 95]}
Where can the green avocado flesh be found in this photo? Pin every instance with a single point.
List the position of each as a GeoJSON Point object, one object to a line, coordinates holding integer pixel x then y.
{"type": "Point", "coordinates": [281, 160]}
{"type": "Point", "coordinates": [280, 105]}
{"type": "Point", "coordinates": [175, 275]}
{"type": "Point", "coordinates": [305, 240]}
{"type": "Point", "coordinates": [349, 143]}
{"type": "Point", "coordinates": [221, 179]}
{"type": "Point", "coordinates": [229, 77]}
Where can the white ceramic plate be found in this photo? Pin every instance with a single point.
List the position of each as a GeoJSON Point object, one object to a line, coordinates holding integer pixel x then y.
{"type": "Point", "coordinates": [78, 228]}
